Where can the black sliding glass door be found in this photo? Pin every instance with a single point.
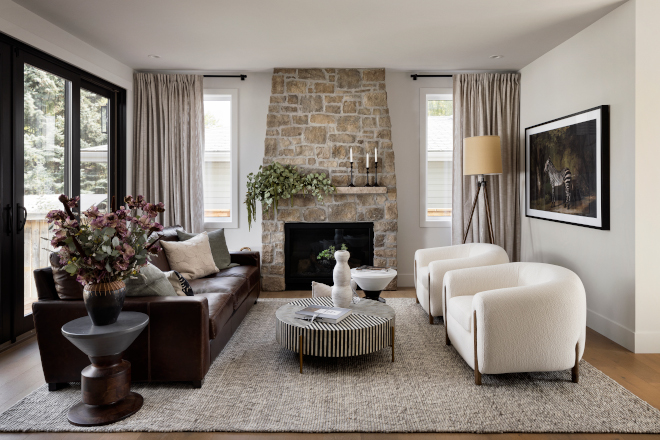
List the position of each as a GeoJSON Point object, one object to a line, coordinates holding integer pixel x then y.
{"type": "Point", "coordinates": [6, 199]}
{"type": "Point", "coordinates": [61, 137]}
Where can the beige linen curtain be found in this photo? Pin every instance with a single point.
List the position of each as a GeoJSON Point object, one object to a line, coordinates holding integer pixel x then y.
{"type": "Point", "coordinates": [488, 104]}
{"type": "Point", "coordinates": [168, 146]}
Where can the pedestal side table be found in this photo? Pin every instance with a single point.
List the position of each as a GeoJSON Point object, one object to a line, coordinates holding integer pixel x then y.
{"type": "Point", "coordinates": [372, 282]}
{"type": "Point", "coordinates": [106, 383]}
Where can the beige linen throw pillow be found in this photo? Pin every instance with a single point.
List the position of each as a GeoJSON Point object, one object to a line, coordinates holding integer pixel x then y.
{"type": "Point", "coordinates": [191, 258]}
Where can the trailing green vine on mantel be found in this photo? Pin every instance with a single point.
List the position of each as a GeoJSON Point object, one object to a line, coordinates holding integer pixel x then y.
{"type": "Point", "coordinates": [274, 182]}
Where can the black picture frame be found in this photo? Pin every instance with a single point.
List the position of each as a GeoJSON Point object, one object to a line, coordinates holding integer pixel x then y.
{"type": "Point", "coordinates": [580, 197]}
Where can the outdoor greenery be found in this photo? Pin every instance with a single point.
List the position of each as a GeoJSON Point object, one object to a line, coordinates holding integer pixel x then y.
{"type": "Point", "coordinates": [276, 181]}
{"type": "Point", "coordinates": [45, 128]}
{"type": "Point", "coordinates": [329, 253]}
{"type": "Point", "coordinates": [440, 108]}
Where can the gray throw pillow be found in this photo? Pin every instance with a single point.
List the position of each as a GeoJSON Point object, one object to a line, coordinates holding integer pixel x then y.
{"type": "Point", "coordinates": [150, 281]}
{"type": "Point", "coordinates": [219, 250]}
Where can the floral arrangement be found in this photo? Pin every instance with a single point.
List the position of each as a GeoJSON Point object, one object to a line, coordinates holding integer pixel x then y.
{"type": "Point", "coordinates": [275, 181]}
{"type": "Point", "coordinates": [329, 253]}
{"type": "Point", "coordinates": [105, 247]}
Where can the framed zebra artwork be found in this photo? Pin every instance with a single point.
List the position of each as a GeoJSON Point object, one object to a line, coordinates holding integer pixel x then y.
{"type": "Point", "coordinates": [567, 167]}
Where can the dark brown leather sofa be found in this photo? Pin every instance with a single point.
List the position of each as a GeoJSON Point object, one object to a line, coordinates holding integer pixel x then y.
{"type": "Point", "coordinates": [185, 333]}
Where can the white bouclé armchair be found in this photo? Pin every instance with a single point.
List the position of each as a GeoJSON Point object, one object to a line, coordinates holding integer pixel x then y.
{"type": "Point", "coordinates": [517, 317]}
{"type": "Point", "coordinates": [432, 264]}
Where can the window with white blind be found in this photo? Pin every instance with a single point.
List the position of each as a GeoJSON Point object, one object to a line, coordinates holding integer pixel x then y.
{"type": "Point", "coordinates": [436, 149]}
{"type": "Point", "coordinates": [220, 158]}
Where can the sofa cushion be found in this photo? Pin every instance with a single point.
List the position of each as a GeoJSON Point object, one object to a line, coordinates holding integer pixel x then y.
{"type": "Point", "coordinates": [250, 273]}
{"type": "Point", "coordinates": [150, 281]}
{"type": "Point", "coordinates": [179, 283]}
{"type": "Point", "coordinates": [191, 258]}
{"type": "Point", "coordinates": [221, 307]}
{"type": "Point", "coordinates": [66, 285]}
{"type": "Point", "coordinates": [236, 286]}
{"type": "Point", "coordinates": [160, 259]}
{"type": "Point", "coordinates": [460, 308]}
{"type": "Point", "coordinates": [218, 245]}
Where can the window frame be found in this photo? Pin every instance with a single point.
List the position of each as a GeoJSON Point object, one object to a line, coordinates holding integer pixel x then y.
{"type": "Point", "coordinates": [444, 93]}
{"type": "Point", "coordinates": [231, 222]}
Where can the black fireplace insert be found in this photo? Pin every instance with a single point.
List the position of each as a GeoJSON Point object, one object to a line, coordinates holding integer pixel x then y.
{"type": "Point", "coordinates": [303, 242]}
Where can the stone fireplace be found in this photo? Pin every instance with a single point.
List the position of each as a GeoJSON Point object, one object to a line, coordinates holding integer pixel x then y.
{"type": "Point", "coordinates": [314, 118]}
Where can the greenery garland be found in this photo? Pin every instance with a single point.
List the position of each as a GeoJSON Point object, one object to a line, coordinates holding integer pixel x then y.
{"type": "Point", "coordinates": [274, 182]}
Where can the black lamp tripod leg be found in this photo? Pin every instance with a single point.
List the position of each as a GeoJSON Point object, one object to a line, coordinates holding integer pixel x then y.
{"type": "Point", "coordinates": [490, 223]}
{"type": "Point", "coordinates": [474, 205]}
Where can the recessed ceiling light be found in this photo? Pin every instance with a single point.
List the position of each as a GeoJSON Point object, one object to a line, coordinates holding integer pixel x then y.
{"type": "Point", "coordinates": [497, 57]}
{"type": "Point", "coordinates": [157, 56]}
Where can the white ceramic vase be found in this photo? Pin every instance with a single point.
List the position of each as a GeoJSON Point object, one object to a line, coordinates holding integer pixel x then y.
{"type": "Point", "coordinates": [342, 294]}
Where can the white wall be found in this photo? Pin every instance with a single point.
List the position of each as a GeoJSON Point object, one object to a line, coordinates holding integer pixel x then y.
{"type": "Point", "coordinates": [595, 67]}
{"type": "Point", "coordinates": [31, 29]}
{"type": "Point", "coordinates": [253, 100]}
{"type": "Point", "coordinates": [647, 158]}
{"type": "Point", "coordinates": [403, 102]}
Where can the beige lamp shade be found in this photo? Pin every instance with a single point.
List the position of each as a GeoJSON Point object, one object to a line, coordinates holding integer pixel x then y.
{"type": "Point", "coordinates": [482, 155]}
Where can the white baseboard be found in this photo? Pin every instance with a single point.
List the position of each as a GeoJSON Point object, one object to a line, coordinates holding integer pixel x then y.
{"type": "Point", "coordinates": [611, 330]}
{"type": "Point", "coordinates": [405, 280]}
{"type": "Point", "coordinates": [647, 342]}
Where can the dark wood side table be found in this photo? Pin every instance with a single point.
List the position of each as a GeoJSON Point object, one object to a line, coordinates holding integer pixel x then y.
{"type": "Point", "coordinates": [106, 383]}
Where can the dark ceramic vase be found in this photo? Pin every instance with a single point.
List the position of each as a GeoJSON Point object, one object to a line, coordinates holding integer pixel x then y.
{"type": "Point", "coordinates": [104, 301]}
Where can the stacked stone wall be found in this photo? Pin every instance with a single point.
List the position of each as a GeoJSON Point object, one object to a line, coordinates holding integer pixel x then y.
{"type": "Point", "coordinates": [314, 118]}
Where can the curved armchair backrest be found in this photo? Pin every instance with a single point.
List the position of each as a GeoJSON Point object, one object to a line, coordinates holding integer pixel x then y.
{"type": "Point", "coordinates": [531, 274]}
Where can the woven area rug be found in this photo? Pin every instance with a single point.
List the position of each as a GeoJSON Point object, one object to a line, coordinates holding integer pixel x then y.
{"type": "Point", "coordinates": [255, 385]}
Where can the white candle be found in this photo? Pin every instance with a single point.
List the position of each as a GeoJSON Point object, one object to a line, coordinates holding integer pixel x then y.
{"type": "Point", "coordinates": [367, 160]}
{"type": "Point", "coordinates": [351, 154]}
{"type": "Point", "coordinates": [376, 155]}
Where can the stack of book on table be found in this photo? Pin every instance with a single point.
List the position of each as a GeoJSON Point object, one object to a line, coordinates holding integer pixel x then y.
{"type": "Point", "coordinates": [331, 315]}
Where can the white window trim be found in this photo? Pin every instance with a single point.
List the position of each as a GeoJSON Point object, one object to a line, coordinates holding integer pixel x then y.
{"type": "Point", "coordinates": [424, 94]}
{"type": "Point", "coordinates": [232, 221]}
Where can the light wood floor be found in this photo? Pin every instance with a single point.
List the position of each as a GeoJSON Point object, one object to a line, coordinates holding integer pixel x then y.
{"type": "Point", "coordinates": [20, 374]}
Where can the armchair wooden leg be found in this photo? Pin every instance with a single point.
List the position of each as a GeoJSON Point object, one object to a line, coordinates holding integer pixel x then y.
{"type": "Point", "coordinates": [575, 373]}
{"type": "Point", "coordinates": [444, 318]}
{"type": "Point", "coordinates": [430, 316]}
{"type": "Point", "coordinates": [477, 374]}
{"type": "Point", "coordinates": [416, 300]}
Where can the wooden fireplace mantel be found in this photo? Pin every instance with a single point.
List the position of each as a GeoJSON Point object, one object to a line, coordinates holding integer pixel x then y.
{"type": "Point", "coordinates": [361, 190]}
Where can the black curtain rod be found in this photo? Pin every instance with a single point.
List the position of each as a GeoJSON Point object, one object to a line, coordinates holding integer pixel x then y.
{"type": "Point", "coordinates": [415, 76]}
{"type": "Point", "coordinates": [242, 77]}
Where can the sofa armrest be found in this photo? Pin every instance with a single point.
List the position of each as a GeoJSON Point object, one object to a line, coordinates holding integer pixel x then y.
{"type": "Point", "coordinates": [43, 279]}
{"type": "Point", "coordinates": [174, 346]}
{"type": "Point", "coordinates": [178, 337]}
{"type": "Point", "coordinates": [246, 258]}
{"type": "Point", "coordinates": [530, 328]}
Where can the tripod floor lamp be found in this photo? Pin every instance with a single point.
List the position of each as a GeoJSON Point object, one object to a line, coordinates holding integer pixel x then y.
{"type": "Point", "coordinates": [482, 155]}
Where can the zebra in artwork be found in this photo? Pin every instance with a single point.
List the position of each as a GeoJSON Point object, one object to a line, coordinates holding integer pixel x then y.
{"type": "Point", "coordinates": [558, 178]}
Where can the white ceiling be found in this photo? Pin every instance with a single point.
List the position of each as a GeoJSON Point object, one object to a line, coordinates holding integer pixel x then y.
{"type": "Point", "coordinates": [254, 35]}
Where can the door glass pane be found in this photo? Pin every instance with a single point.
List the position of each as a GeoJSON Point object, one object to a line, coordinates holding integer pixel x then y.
{"type": "Point", "coordinates": [46, 171]}
{"type": "Point", "coordinates": [440, 144]}
{"type": "Point", "coordinates": [217, 158]}
{"type": "Point", "coordinates": [94, 137]}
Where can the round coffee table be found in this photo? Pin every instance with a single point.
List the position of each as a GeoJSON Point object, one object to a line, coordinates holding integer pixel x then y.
{"type": "Point", "coordinates": [106, 384]}
{"type": "Point", "coordinates": [368, 329]}
{"type": "Point", "coordinates": [372, 282]}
